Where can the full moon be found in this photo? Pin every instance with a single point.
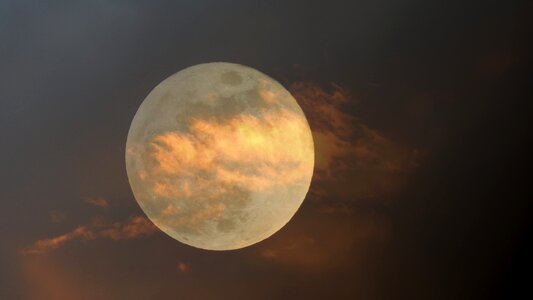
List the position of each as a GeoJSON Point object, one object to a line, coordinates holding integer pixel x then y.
{"type": "Point", "coordinates": [219, 156]}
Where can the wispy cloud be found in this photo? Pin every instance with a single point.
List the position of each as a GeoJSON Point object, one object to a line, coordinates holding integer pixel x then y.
{"type": "Point", "coordinates": [57, 216]}
{"type": "Point", "coordinates": [348, 150]}
{"type": "Point", "coordinates": [133, 227]}
{"type": "Point", "coordinates": [97, 201]}
{"type": "Point", "coordinates": [352, 162]}
{"type": "Point", "coordinates": [183, 267]}
{"type": "Point", "coordinates": [322, 242]}
{"type": "Point", "coordinates": [213, 165]}
{"type": "Point", "coordinates": [211, 146]}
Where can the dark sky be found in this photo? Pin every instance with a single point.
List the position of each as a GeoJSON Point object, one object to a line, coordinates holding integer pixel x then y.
{"type": "Point", "coordinates": [422, 193]}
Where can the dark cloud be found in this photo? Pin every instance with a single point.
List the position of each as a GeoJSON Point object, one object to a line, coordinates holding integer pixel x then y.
{"type": "Point", "coordinates": [323, 242]}
{"type": "Point", "coordinates": [347, 150]}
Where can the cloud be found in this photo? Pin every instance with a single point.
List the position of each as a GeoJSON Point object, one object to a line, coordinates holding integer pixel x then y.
{"type": "Point", "coordinates": [347, 150]}
{"type": "Point", "coordinates": [133, 227]}
{"type": "Point", "coordinates": [183, 267]}
{"type": "Point", "coordinates": [352, 162]}
{"type": "Point", "coordinates": [46, 245]}
{"type": "Point", "coordinates": [57, 216]}
{"type": "Point", "coordinates": [97, 201]}
{"type": "Point", "coordinates": [212, 165]}
{"type": "Point", "coordinates": [226, 148]}
{"type": "Point", "coordinates": [319, 242]}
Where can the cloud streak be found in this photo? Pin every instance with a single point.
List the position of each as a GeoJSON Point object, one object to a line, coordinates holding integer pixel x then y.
{"type": "Point", "coordinates": [133, 227]}
{"type": "Point", "coordinates": [98, 201]}
{"type": "Point", "coordinates": [225, 149]}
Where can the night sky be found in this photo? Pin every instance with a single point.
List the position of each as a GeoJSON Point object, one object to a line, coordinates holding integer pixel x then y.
{"type": "Point", "coordinates": [420, 117]}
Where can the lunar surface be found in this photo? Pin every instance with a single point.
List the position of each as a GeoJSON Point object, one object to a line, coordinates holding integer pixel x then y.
{"type": "Point", "coordinates": [219, 156]}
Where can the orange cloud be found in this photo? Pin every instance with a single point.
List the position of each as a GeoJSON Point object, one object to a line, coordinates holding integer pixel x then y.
{"type": "Point", "coordinates": [133, 227]}
{"type": "Point", "coordinates": [223, 147]}
{"type": "Point", "coordinates": [46, 245]}
{"type": "Point", "coordinates": [323, 241]}
{"type": "Point", "coordinates": [183, 267]}
{"type": "Point", "coordinates": [346, 150]}
{"type": "Point", "coordinates": [211, 160]}
{"type": "Point", "coordinates": [98, 201]}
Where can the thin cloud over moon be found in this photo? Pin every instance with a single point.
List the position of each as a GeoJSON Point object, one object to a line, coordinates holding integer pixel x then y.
{"type": "Point", "coordinates": [219, 156]}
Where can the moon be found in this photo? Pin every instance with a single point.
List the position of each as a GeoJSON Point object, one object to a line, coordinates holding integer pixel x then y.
{"type": "Point", "coordinates": [219, 156]}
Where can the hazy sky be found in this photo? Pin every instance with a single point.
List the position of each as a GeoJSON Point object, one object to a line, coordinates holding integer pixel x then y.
{"type": "Point", "coordinates": [420, 120]}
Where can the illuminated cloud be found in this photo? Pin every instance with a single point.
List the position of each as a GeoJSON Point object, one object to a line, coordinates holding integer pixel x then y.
{"type": "Point", "coordinates": [321, 242]}
{"type": "Point", "coordinates": [232, 154]}
{"type": "Point", "coordinates": [352, 162]}
{"type": "Point", "coordinates": [97, 201]}
{"type": "Point", "coordinates": [346, 150]}
{"type": "Point", "coordinates": [46, 245]}
{"type": "Point", "coordinates": [183, 267]}
{"type": "Point", "coordinates": [224, 149]}
{"type": "Point", "coordinates": [133, 227]}
{"type": "Point", "coordinates": [213, 159]}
